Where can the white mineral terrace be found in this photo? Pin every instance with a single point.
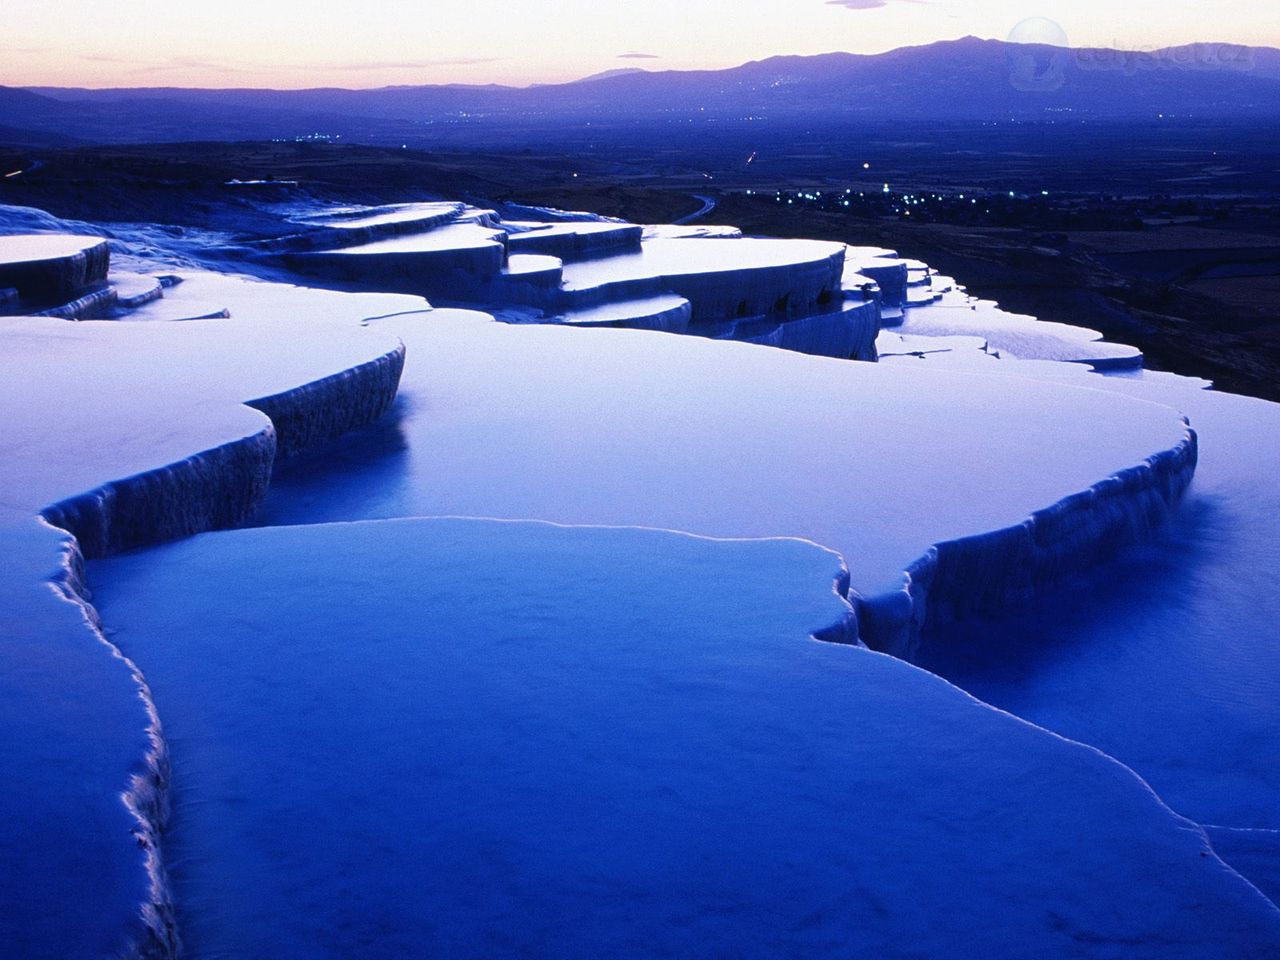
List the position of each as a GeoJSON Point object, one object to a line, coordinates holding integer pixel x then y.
{"type": "Point", "coordinates": [361, 218]}
{"type": "Point", "coordinates": [126, 434]}
{"type": "Point", "coordinates": [749, 441]}
{"type": "Point", "coordinates": [31, 248]}
{"type": "Point", "coordinates": [621, 737]}
{"type": "Point", "coordinates": [48, 270]}
{"type": "Point", "coordinates": [454, 236]}
{"type": "Point", "coordinates": [682, 258]}
{"type": "Point", "coordinates": [596, 719]}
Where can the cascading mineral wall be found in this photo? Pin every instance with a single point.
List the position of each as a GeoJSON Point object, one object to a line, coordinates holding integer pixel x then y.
{"type": "Point", "coordinates": [52, 269]}
{"type": "Point", "coordinates": [985, 573]}
{"type": "Point", "coordinates": [90, 426]}
{"type": "Point", "coordinates": [325, 409]}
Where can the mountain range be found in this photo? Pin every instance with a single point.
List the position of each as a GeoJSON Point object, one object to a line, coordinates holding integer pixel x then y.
{"type": "Point", "coordinates": [959, 80]}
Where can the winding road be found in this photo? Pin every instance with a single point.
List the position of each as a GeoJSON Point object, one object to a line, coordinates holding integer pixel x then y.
{"type": "Point", "coordinates": [708, 204]}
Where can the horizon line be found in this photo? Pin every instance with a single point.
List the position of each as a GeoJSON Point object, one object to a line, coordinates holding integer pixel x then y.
{"type": "Point", "coordinates": [532, 85]}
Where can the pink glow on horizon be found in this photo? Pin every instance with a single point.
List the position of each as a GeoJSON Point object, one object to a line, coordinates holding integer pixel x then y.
{"type": "Point", "coordinates": [289, 44]}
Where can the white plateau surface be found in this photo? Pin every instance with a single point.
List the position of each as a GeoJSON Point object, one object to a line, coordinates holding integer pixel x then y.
{"type": "Point", "coordinates": [387, 735]}
{"type": "Point", "coordinates": [472, 739]}
{"type": "Point", "coordinates": [125, 435]}
{"type": "Point", "coordinates": [622, 427]}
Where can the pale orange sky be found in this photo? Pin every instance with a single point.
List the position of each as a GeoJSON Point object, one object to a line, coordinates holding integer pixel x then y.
{"type": "Point", "coordinates": [289, 43]}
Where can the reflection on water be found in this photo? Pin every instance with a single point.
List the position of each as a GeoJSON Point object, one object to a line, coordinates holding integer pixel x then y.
{"type": "Point", "coordinates": [1164, 658]}
{"type": "Point", "coordinates": [359, 474]}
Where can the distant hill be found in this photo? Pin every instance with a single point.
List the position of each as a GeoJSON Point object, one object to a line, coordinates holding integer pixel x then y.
{"type": "Point", "coordinates": [959, 80]}
{"type": "Point", "coordinates": [606, 75]}
{"type": "Point", "coordinates": [19, 107]}
{"type": "Point", "coordinates": [18, 137]}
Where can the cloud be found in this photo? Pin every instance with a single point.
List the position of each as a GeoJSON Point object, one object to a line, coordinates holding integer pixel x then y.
{"type": "Point", "coordinates": [228, 66]}
{"type": "Point", "coordinates": [638, 56]}
{"type": "Point", "coordinates": [195, 63]}
{"type": "Point", "coordinates": [413, 64]}
{"type": "Point", "coordinates": [106, 58]}
{"type": "Point", "coordinates": [870, 4]}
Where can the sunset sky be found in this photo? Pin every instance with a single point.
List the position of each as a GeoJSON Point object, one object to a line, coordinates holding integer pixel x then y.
{"type": "Point", "coordinates": [291, 43]}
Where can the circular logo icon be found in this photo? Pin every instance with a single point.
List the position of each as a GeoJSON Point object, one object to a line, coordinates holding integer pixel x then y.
{"type": "Point", "coordinates": [1038, 55]}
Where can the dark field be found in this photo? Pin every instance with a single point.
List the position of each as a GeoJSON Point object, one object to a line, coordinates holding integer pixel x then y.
{"type": "Point", "coordinates": [1165, 235]}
